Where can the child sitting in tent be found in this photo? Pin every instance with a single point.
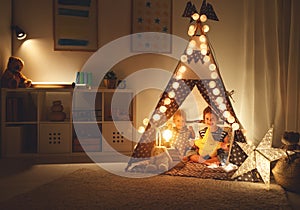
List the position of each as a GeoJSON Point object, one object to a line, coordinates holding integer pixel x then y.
{"type": "Point", "coordinates": [181, 134]}
{"type": "Point", "coordinates": [213, 145]}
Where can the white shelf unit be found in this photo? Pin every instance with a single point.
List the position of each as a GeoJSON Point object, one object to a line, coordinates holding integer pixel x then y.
{"type": "Point", "coordinates": [26, 129]}
{"type": "Point", "coordinates": [104, 120]}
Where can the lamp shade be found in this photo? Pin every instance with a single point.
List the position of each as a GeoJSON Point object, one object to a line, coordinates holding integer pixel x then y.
{"type": "Point", "coordinates": [20, 33]}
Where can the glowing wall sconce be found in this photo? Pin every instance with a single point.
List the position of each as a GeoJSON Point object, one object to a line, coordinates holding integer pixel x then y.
{"type": "Point", "coordinates": [20, 33]}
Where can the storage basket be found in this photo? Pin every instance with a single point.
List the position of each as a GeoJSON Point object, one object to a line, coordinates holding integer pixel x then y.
{"type": "Point", "coordinates": [287, 172]}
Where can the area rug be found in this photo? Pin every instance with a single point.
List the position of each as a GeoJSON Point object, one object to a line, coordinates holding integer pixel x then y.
{"type": "Point", "coordinates": [99, 189]}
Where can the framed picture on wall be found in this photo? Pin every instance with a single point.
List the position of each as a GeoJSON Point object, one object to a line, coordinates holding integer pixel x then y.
{"type": "Point", "coordinates": [153, 16]}
{"type": "Point", "coordinates": [75, 25]}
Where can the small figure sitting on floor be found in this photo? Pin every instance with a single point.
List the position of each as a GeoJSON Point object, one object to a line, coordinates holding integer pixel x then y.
{"type": "Point", "coordinates": [213, 145]}
{"type": "Point", "coordinates": [160, 160]}
{"type": "Point", "coordinates": [181, 134]}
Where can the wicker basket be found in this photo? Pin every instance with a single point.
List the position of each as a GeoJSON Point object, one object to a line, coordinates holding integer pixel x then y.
{"type": "Point", "coordinates": [287, 173]}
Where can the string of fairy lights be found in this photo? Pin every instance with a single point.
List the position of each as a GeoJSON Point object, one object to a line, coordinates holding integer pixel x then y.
{"type": "Point", "coordinates": [199, 49]}
{"type": "Point", "coordinates": [198, 42]}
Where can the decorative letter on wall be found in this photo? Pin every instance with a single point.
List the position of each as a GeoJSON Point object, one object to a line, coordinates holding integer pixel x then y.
{"type": "Point", "coordinates": [151, 16]}
{"type": "Point", "coordinates": [75, 25]}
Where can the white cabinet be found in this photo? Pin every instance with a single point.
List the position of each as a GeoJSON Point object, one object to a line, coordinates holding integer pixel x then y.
{"type": "Point", "coordinates": [19, 127]}
{"type": "Point", "coordinates": [39, 121]}
{"type": "Point", "coordinates": [103, 120]}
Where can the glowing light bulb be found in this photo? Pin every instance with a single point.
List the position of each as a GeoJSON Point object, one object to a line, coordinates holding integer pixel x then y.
{"type": "Point", "coordinates": [191, 30]}
{"type": "Point", "coordinates": [145, 121]}
{"type": "Point", "coordinates": [212, 84]}
{"type": "Point", "coordinates": [167, 135]}
{"type": "Point", "coordinates": [226, 114]}
{"type": "Point", "coordinates": [235, 126]}
{"type": "Point", "coordinates": [206, 59]}
{"type": "Point", "coordinates": [231, 119]}
{"type": "Point", "coordinates": [216, 91]}
{"type": "Point", "coordinates": [141, 129]}
{"type": "Point", "coordinates": [183, 58]}
{"type": "Point", "coordinates": [202, 38]}
{"type": "Point", "coordinates": [212, 67]}
{"type": "Point", "coordinates": [171, 94]}
{"type": "Point", "coordinates": [178, 76]}
{"type": "Point", "coordinates": [203, 51]}
{"type": "Point", "coordinates": [205, 28]}
{"type": "Point", "coordinates": [191, 33]}
{"type": "Point", "coordinates": [203, 18]}
{"type": "Point", "coordinates": [175, 85]}
{"type": "Point", "coordinates": [222, 107]}
{"type": "Point", "coordinates": [195, 16]}
{"type": "Point", "coordinates": [167, 101]}
{"type": "Point", "coordinates": [156, 117]}
{"type": "Point", "coordinates": [214, 75]}
{"type": "Point", "coordinates": [192, 43]}
{"type": "Point", "coordinates": [162, 109]}
{"type": "Point", "coordinates": [219, 100]}
{"type": "Point", "coordinates": [203, 46]}
{"type": "Point", "coordinates": [189, 51]}
{"type": "Point", "coordinates": [182, 69]}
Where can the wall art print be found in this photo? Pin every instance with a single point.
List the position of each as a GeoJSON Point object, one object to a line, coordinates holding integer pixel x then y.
{"type": "Point", "coordinates": [151, 16]}
{"type": "Point", "coordinates": [75, 25]}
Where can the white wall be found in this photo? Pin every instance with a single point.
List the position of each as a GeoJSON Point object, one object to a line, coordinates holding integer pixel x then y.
{"type": "Point", "coordinates": [42, 63]}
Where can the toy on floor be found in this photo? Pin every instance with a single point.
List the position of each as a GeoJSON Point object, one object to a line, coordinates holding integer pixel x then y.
{"type": "Point", "coordinates": [12, 76]}
{"type": "Point", "coordinates": [160, 160]}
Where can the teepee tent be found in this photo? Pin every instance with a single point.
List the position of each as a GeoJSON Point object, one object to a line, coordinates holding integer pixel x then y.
{"type": "Point", "coordinates": [197, 68]}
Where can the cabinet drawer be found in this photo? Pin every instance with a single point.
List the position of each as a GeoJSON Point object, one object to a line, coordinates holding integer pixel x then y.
{"type": "Point", "coordinates": [117, 138]}
{"type": "Point", "coordinates": [55, 138]}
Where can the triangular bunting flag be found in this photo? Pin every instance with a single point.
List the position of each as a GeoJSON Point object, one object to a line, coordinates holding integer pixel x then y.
{"type": "Point", "coordinates": [190, 9]}
{"type": "Point", "coordinates": [208, 10]}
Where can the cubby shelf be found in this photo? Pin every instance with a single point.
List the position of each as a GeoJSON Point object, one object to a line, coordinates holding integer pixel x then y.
{"type": "Point", "coordinates": [95, 121]}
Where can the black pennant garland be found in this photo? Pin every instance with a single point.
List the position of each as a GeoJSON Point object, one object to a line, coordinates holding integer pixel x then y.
{"type": "Point", "coordinates": [208, 10]}
{"type": "Point", "coordinates": [189, 10]}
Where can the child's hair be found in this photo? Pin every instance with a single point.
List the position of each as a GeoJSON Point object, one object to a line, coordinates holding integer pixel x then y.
{"type": "Point", "coordinates": [208, 110]}
{"type": "Point", "coordinates": [180, 113]}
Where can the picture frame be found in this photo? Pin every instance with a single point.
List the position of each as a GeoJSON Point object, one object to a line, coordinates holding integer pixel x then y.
{"type": "Point", "coordinates": [75, 25]}
{"type": "Point", "coordinates": [154, 16]}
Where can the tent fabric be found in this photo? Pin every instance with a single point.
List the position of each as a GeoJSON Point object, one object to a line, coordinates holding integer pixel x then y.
{"type": "Point", "coordinates": [176, 91]}
{"type": "Point", "coordinates": [143, 149]}
{"type": "Point", "coordinates": [200, 170]}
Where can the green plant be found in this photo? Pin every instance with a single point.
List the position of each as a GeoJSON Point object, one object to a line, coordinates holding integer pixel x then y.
{"type": "Point", "coordinates": [110, 75]}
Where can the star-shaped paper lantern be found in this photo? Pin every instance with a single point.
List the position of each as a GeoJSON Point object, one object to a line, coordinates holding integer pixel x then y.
{"type": "Point", "coordinates": [260, 157]}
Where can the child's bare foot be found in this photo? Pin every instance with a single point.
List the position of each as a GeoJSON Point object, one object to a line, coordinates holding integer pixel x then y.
{"type": "Point", "coordinates": [185, 159]}
{"type": "Point", "coordinates": [209, 163]}
{"type": "Point", "coordinates": [201, 159]}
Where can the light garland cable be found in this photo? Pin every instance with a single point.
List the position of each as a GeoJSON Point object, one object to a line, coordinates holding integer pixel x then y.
{"type": "Point", "coordinates": [214, 60]}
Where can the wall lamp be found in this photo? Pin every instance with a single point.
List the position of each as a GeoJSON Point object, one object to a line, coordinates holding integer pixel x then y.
{"type": "Point", "coordinates": [20, 33]}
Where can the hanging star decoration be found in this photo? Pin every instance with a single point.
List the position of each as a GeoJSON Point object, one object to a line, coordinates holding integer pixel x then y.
{"type": "Point", "coordinates": [260, 157]}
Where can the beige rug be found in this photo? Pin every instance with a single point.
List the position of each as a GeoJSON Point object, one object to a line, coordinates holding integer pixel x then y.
{"type": "Point", "coordinates": [98, 189]}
